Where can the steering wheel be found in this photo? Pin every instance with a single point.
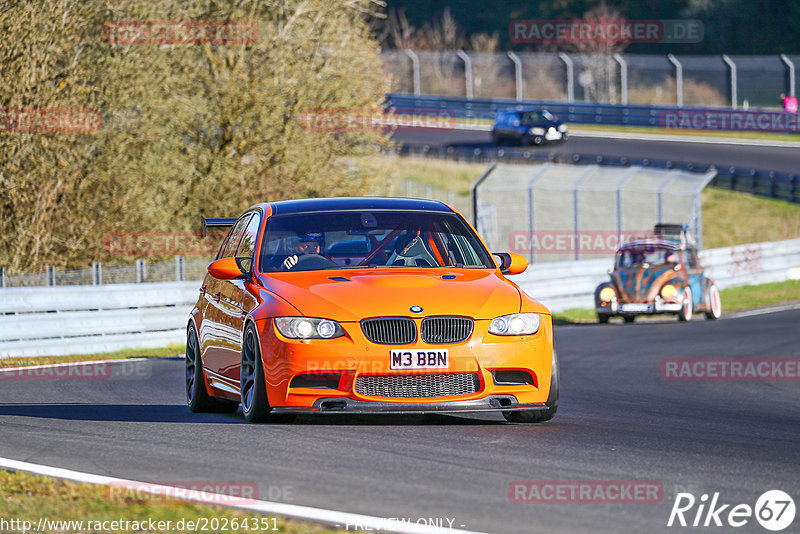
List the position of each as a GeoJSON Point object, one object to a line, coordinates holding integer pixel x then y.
{"type": "Point", "coordinates": [313, 262]}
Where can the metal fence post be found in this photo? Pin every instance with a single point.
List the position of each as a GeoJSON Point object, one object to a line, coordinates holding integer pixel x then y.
{"type": "Point", "coordinates": [51, 275]}
{"type": "Point", "coordinates": [141, 271]}
{"type": "Point", "coordinates": [790, 67]}
{"type": "Point", "coordinates": [2, 277]}
{"type": "Point", "coordinates": [474, 192]}
{"type": "Point", "coordinates": [630, 173]}
{"type": "Point", "coordinates": [576, 210]}
{"type": "Point", "coordinates": [732, 66]}
{"type": "Point", "coordinates": [517, 74]}
{"type": "Point", "coordinates": [623, 78]}
{"type": "Point", "coordinates": [467, 72]}
{"type": "Point", "coordinates": [180, 269]}
{"type": "Point", "coordinates": [415, 71]}
{"type": "Point", "coordinates": [570, 76]}
{"type": "Point", "coordinates": [531, 220]}
{"type": "Point", "coordinates": [678, 79]}
{"type": "Point", "coordinates": [97, 273]}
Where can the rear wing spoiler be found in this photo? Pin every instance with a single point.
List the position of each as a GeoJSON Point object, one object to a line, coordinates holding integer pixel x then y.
{"type": "Point", "coordinates": [217, 222]}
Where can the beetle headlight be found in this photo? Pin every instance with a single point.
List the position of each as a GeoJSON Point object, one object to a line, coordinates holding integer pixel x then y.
{"type": "Point", "coordinates": [308, 328]}
{"type": "Point", "coordinates": [516, 324]}
{"type": "Point", "coordinates": [668, 291]}
{"type": "Point", "coordinates": [607, 294]}
{"type": "Point", "coordinates": [537, 131]}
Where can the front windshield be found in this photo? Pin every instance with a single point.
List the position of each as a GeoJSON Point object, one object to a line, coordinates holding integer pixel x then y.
{"type": "Point", "coordinates": [353, 239]}
{"type": "Point", "coordinates": [631, 257]}
{"type": "Point", "coordinates": [535, 117]}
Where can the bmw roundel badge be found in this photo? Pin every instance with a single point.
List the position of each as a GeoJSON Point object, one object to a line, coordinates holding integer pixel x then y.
{"type": "Point", "coordinates": [416, 309]}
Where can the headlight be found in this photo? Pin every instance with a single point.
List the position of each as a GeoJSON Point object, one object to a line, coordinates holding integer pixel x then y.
{"type": "Point", "coordinates": [308, 328]}
{"type": "Point", "coordinates": [562, 128]}
{"type": "Point", "coordinates": [516, 324]}
{"type": "Point", "coordinates": [668, 291]}
{"type": "Point", "coordinates": [607, 294]}
{"type": "Point", "coordinates": [537, 131]}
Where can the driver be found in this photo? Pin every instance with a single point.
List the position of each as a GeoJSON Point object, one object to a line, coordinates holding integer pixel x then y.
{"type": "Point", "coordinates": [307, 244]}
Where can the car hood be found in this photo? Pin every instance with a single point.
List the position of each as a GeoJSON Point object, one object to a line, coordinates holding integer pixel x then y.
{"type": "Point", "coordinates": [636, 282]}
{"type": "Point", "coordinates": [352, 295]}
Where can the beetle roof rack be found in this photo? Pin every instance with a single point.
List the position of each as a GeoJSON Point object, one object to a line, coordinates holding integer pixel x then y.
{"type": "Point", "coordinates": [677, 232]}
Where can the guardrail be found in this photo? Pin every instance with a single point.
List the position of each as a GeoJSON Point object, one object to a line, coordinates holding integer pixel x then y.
{"type": "Point", "coordinates": [702, 118]}
{"type": "Point", "coordinates": [767, 183]}
{"type": "Point", "coordinates": [89, 319]}
{"type": "Point", "coordinates": [564, 285]}
{"type": "Point", "coordinates": [55, 321]}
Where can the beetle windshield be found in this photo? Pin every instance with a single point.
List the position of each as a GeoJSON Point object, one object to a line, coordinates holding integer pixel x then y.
{"type": "Point", "coordinates": [353, 239]}
{"type": "Point", "coordinates": [635, 256]}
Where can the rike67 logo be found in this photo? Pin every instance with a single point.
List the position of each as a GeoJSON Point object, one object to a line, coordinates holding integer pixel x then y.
{"type": "Point", "coordinates": [774, 510]}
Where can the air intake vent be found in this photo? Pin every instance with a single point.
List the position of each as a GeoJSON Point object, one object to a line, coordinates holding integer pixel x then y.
{"type": "Point", "coordinates": [443, 330]}
{"type": "Point", "coordinates": [412, 386]}
{"type": "Point", "coordinates": [390, 330]}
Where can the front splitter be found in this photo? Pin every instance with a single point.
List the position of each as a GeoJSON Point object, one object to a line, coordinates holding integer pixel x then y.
{"type": "Point", "coordinates": [494, 403]}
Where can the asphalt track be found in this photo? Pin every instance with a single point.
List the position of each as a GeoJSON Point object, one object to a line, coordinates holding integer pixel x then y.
{"type": "Point", "coordinates": [771, 158]}
{"type": "Point", "coordinates": [618, 420]}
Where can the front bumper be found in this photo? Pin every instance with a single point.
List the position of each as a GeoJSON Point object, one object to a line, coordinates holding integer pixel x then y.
{"type": "Point", "coordinates": [352, 355]}
{"type": "Point", "coordinates": [493, 403]}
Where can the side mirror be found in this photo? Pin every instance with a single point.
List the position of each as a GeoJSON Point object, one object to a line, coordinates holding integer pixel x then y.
{"type": "Point", "coordinates": [511, 263]}
{"type": "Point", "coordinates": [225, 269]}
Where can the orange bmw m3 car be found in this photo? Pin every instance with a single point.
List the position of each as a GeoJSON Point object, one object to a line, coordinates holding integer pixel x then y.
{"type": "Point", "coordinates": [366, 305]}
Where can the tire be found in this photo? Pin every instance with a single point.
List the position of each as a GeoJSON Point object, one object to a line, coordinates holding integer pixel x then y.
{"type": "Point", "coordinates": [687, 310]}
{"type": "Point", "coordinates": [713, 302]}
{"type": "Point", "coordinates": [538, 140]}
{"type": "Point", "coordinates": [629, 318]}
{"type": "Point", "coordinates": [253, 387]}
{"type": "Point", "coordinates": [603, 318]}
{"type": "Point", "coordinates": [540, 416]}
{"type": "Point", "coordinates": [197, 397]}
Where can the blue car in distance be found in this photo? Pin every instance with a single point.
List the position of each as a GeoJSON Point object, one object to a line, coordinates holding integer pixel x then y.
{"type": "Point", "coordinates": [528, 127]}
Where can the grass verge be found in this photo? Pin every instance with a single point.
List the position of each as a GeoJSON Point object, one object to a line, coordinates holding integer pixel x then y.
{"type": "Point", "coordinates": [734, 298]}
{"type": "Point", "coordinates": [27, 497]}
{"type": "Point", "coordinates": [170, 350]}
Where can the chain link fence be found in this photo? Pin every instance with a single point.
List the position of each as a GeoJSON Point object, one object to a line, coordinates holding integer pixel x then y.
{"type": "Point", "coordinates": [177, 270]}
{"type": "Point", "coordinates": [735, 81]}
{"type": "Point", "coordinates": [560, 212]}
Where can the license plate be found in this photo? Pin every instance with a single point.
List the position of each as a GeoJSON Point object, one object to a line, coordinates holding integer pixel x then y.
{"type": "Point", "coordinates": [635, 307]}
{"type": "Point", "coordinates": [418, 359]}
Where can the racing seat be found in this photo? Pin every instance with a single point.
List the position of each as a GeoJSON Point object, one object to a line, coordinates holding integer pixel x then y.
{"type": "Point", "coordinates": [410, 251]}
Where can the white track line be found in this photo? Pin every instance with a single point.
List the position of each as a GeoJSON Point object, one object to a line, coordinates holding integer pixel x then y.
{"type": "Point", "coordinates": [697, 139]}
{"type": "Point", "coordinates": [764, 311]}
{"type": "Point", "coordinates": [305, 513]}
